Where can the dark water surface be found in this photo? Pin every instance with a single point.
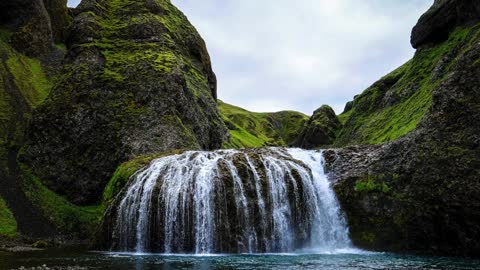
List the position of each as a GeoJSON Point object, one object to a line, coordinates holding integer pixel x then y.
{"type": "Point", "coordinates": [360, 260]}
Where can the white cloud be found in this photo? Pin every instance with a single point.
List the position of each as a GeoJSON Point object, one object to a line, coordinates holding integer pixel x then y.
{"type": "Point", "coordinates": [305, 53]}
{"type": "Point", "coordinates": [73, 3]}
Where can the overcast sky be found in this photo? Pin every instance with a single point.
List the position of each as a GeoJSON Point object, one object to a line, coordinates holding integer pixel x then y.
{"type": "Point", "coordinates": [272, 55]}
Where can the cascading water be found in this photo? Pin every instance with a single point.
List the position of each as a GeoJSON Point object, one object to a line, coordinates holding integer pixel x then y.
{"type": "Point", "coordinates": [230, 201]}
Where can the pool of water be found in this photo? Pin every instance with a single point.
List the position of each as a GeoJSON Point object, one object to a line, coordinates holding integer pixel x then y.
{"type": "Point", "coordinates": [338, 260]}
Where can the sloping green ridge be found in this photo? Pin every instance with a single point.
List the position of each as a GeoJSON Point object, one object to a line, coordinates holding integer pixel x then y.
{"type": "Point", "coordinates": [8, 224]}
{"type": "Point", "coordinates": [250, 129]}
{"type": "Point", "coordinates": [372, 120]}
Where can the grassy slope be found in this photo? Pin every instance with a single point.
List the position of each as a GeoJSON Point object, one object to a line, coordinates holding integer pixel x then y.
{"type": "Point", "coordinates": [67, 217]}
{"type": "Point", "coordinates": [8, 224]}
{"type": "Point", "coordinates": [249, 129]}
{"type": "Point", "coordinates": [372, 122]}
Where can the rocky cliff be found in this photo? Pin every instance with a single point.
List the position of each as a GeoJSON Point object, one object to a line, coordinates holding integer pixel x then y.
{"type": "Point", "coordinates": [136, 80]}
{"type": "Point", "coordinates": [419, 193]}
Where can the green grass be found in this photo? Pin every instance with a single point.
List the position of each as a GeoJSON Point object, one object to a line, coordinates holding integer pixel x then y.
{"type": "Point", "coordinates": [8, 224]}
{"type": "Point", "coordinates": [250, 129]}
{"type": "Point", "coordinates": [371, 122]}
{"type": "Point", "coordinates": [67, 217]}
{"type": "Point", "coordinates": [29, 78]}
{"type": "Point", "coordinates": [371, 184]}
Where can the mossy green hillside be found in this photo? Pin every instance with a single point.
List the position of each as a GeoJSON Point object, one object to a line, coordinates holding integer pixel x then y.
{"type": "Point", "coordinates": [393, 106]}
{"type": "Point", "coordinates": [8, 224]}
{"type": "Point", "coordinates": [250, 129]}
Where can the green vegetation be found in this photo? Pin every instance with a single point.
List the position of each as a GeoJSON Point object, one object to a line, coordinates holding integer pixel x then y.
{"type": "Point", "coordinates": [8, 224]}
{"type": "Point", "coordinates": [126, 170]}
{"type": "Point", "coordinates": [250, 129]}
{"type": "Point", "coordinates": [29, 78]}
{"type": "Point", "coordinates": [69, 218]}
{"type": "Point", "coordinates": [372, 184]}
{"type": "Point", "coordinates": [376, 117]}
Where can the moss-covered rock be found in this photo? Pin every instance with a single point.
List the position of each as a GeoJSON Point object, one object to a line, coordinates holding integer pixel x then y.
{"type": "Point", "coordinates": [321, 128]}
{"type": "Point", "coordinates": [137, 80]}
{"type": "Point", "coordinates": [249, 129]}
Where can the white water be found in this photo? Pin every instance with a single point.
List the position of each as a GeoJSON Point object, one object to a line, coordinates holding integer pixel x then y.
{"type": "Point", "coordinates": [264, 201]}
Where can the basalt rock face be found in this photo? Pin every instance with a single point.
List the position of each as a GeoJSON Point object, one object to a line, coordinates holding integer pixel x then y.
{"type": "Point", "coordinates": [421, 193]}
{"type": "Point", "coordinates": [321, 129]}
{"type": "Point", "coordinates": [138, 80]}
{"type": "Point", "coordinates": [435, 25]}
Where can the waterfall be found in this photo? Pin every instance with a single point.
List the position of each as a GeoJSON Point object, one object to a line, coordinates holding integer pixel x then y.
{"type": "Point", "coordinates": [229, 201]}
